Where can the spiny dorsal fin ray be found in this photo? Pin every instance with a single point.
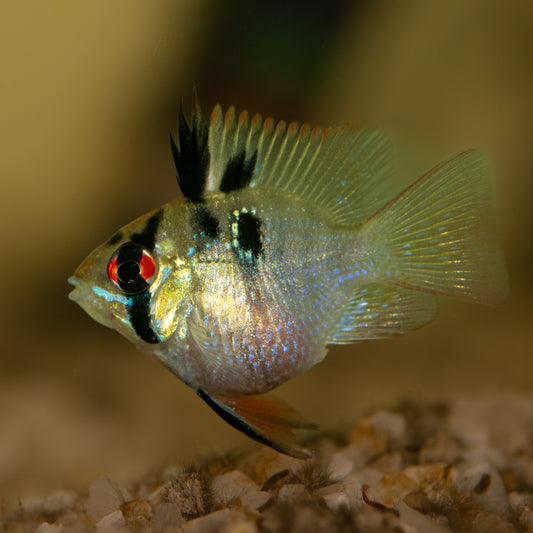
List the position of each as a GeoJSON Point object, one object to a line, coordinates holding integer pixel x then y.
{"type": "Point", "coordinates": [191, 155]}
{"type": "Point", "coordinates": [264, 418]}
{"type": "Point", "coordinates": [343, 168]}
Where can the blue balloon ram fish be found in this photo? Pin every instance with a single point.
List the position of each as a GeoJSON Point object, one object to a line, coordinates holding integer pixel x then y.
{"type": "Point", "coordinates": [286, 239]}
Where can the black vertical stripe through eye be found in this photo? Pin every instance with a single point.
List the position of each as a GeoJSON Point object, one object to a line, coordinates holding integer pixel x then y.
{"type": "Point", "coordinates": [147, 236]}
{"type": "Point", "coordinates": [191, 154]}
{"type": "Point", "coordinates": [140, 317]}
{"type": "Point", "coordinates": [139, 311]}
{"type": "Point", "coordinates": [238, 173]}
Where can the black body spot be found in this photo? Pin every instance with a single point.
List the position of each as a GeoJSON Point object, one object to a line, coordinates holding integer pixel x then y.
{"type": "Point", "coordinates": [247, 239]}
{"type": "Point", "coordinates": [191, 154]}
{"type": "Point", "coordinates": [238, 173]}
{"type": "Point", "coordinates": [206, 222]}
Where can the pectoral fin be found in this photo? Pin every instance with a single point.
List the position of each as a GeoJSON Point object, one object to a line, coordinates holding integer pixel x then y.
{"type": "Point", "coordinates": [266, 419]}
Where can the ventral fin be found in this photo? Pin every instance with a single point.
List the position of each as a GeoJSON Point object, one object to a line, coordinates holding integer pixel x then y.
{"type": "Point", "coordinates": [264, 418]}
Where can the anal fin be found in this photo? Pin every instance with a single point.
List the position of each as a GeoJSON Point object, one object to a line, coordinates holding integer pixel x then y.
{"type": "Point", "coordinates": [378, 311]}
{"type": "Point", "coordinates": [264, 418]}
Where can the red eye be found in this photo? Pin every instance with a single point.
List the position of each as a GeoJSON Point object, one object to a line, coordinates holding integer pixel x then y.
{"type": "Point", "coordinates": [147, 266]}
{"type": "Point", "coordinates": [131, 268]}
{"type": "Point", "coordinates": [112, 270]}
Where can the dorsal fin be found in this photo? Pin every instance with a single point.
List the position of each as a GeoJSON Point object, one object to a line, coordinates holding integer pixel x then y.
{"type": "Point", "coordinates": [344, 169]}
{"type": "Point", "coordinates": [191, 154]}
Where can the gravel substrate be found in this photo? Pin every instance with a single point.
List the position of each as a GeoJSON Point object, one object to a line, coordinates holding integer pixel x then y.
{"type": "Point", "coordinates": [465, 466]}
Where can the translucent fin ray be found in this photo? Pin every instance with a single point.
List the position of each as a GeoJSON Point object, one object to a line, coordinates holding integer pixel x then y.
{"type": "Point", "coordinates": [378, 310]}
{"type": "Point", "coordinates": [439, 235]}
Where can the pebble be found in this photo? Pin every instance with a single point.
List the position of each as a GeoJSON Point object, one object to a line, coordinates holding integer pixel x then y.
{"type": "Point", "coordinates": [186, 492]}
{"type": "Point", "coordinates": [387, 462]}
{"type": "Point", "coordinates": [526, 518]}
{"type": "Point", "coordinates": [264, 463]}
{"type": "Point", "coordinates": [484, 485]}
{"type": "Point", "coordinates": [369, 440]}
{"type": "Point", "coordinates": [441, 448]}
{"type": "Point", "coordinates": [428, 476]}
{"type": "Point", "coordinates": [491, 523]}
{"type": "Point", "coordinates": [234, 485]}
{"type": "Point", "coordinates": [519, 501]}
{"type": "Point", "coordinates": [137, 513]}
{"type": "Point", "coordinates": [111, 522]}
{"type": "Point", "coordinates": [54, 503]}
{"type": "Point", "coordinates": [104, 497]}
{"type": "Point", "coordinates": [208, 523]}
{"type": "Point", "coordinates": [336, 500]}
{"type": "Point", "coordinates": [291, 492]}
{"type": "Point", "coordinates": [420, 522]}
{"type": "Point", "coordinates": [166, 515]}
{"type": "Point", "coordinates": [392, 488]}
{"type": "Point", "coordinates": [45, 527]}
{"type": "Point", "coordinates": [352, 485]}
{"type": "Point", "coordinates": [392, 424]}
{"type": "Point", "coordinates": [340, 466]}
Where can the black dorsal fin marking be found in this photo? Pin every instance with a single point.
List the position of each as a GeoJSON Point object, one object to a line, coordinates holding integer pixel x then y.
{"type": "Point", "coordinates": [238, 173]}
{"type": "Point", "coordinates": [191, 153]}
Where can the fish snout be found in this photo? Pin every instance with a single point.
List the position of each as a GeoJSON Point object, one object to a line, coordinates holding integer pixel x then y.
{"type": "Point", "coordinates": [76, 294]}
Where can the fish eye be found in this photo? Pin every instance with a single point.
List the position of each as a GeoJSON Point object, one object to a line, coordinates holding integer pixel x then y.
{"type": "Point", "coordinates": [131, 268]}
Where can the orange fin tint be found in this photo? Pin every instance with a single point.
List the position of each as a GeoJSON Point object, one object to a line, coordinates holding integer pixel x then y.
{"type": "Point", "coordinates": [266, 419]}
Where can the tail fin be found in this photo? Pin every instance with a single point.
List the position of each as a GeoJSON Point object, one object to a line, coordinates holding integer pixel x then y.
{"type": "Point", "coordinates": [439, 234]}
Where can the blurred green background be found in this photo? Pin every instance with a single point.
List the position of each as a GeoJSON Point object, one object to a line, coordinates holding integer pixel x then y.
{"type": "Point", "coordinates": [88, 95]}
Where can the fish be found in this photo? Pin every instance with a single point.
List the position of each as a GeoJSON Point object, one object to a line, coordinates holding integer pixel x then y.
{"type": "Point", "coordinates": [287, 238]}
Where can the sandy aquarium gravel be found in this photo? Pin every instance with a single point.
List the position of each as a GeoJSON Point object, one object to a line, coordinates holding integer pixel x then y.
{"type": "Point", "coordinates": [462, 466]}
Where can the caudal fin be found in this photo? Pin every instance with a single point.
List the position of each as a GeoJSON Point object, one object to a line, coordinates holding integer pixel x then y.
{"type": "Point", "coordinates": [439, 234]}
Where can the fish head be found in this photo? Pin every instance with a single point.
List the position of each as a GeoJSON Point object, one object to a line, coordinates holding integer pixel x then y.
{"type": "Point", "coordinates": [133, 284]}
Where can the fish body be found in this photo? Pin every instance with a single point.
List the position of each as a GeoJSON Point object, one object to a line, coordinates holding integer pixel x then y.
{"type": "Point", "coordinates": [287, 239]}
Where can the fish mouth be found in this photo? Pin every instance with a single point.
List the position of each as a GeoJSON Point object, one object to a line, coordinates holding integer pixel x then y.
{"type": "Point", "coordinates": [76, 294]}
